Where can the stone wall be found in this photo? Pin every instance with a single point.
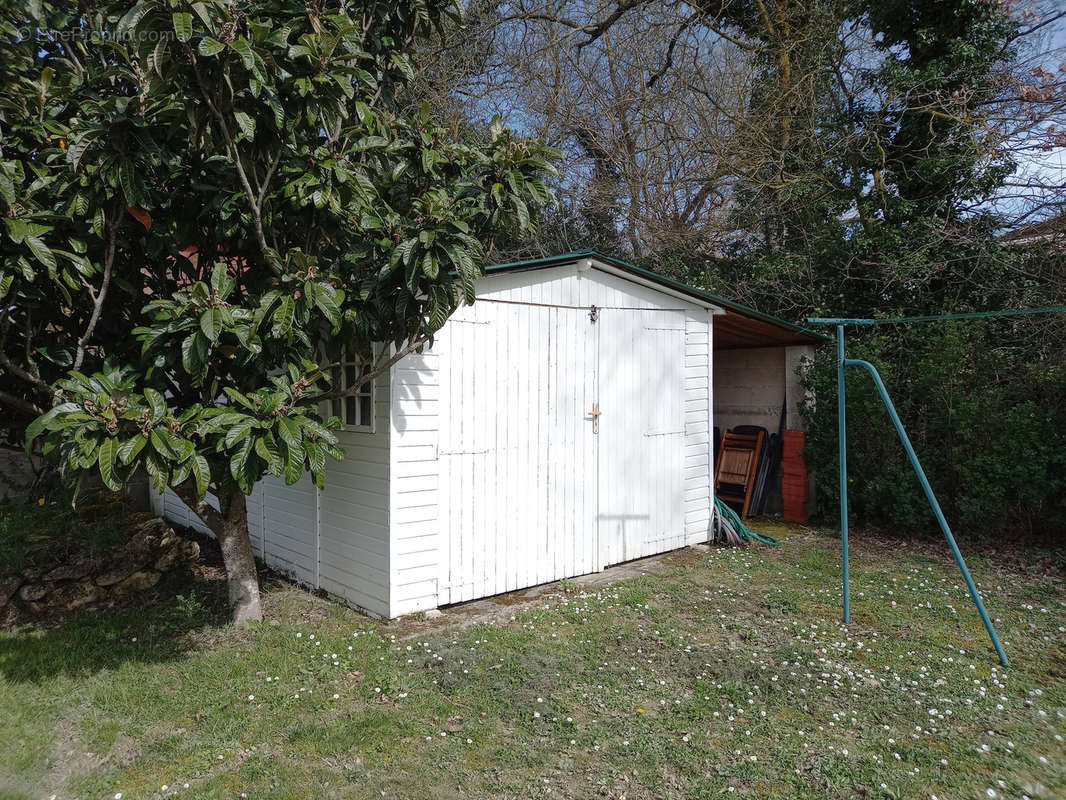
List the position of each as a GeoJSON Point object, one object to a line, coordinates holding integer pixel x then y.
{"type": "Point", "coordinates": [152, 549]}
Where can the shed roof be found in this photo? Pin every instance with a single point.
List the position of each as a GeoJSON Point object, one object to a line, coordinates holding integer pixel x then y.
{"type": "Point", "coordinates": [738, 327]}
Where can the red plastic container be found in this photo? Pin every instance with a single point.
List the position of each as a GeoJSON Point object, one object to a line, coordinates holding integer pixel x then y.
{"type": "Point", "coordinates": [792, 443]}
{"type": "Point", "coordinates": [795, 489]}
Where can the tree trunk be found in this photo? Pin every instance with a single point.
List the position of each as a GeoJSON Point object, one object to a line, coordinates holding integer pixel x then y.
{"type": "Point", "coordinates": [230, 526]}
{"type": "Point", "coordinates": [241, 574]}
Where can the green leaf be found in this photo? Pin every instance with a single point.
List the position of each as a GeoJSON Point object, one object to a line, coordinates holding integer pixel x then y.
{"type": "Point", "coordinates": [130, 448]}
{"type": "Point", "coordinates": [238, 431]}
{"type": "Point", "coordinates": [523, 213]}
{"type": "Point", "coordinates": [156, 403]}
{"type": "Point", "coordinates": [239, 398]}
{"type": "Point", "coordinates": [238, 461]}
{"type": "Point", "coordinates": [327, 300]}
{"type": "Point", "coordinates": [246, 124]}
{"type": "Point", "coordinates": [268, 451]}
{"type": "Point", "coordinates": [210, 47]}
{"type": "Point", "coordinates": [211, 323]}
{"type": "Point", "coordinates": [34, 429]}
{"type": "Point", "coordinates": [127, 179]}
{"type": "Point", "coordinates": [202, 473]}
{"type": "Point", "coordinates": [294, 463]}
{"type": "Point", "coordinates": [429, 266]}
{"type": "Point", "coordinates": [243, 48]}
{"type": "Point", "coordinates": [316, 456]}
{"type": "Point", "coordinates": [290, 432]}
{"type": "Point", "coordinates": [219, 278]}
{"type": "Point", "coordinates": [41, 251]}
{"type": "Point", "coordinates": [183, 25]}
{"type": "Point", "coordinates": [162, 446]}
{"type": "Point", "coordinates": [106, 457]}
{"type": "Point", "coordinates": [180, 473]}
{"type": "Point", "coordinates": [191, 360]}
{"type": "Point", "coordinates": [283, 316]}
{"type": "Point", "coordinates": [157, 470]}
{"type": "Point", "coordinates": [132, 17]}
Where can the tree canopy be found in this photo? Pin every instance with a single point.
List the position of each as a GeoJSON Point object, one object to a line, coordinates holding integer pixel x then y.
{"type": "Point", "coordinates": [206, 203]}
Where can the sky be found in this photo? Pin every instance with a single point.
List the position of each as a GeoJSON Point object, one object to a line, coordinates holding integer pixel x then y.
{"type": "Point", "coordinates": [1050, 166]}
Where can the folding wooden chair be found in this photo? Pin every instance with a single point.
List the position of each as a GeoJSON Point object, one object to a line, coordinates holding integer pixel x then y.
{"type": "Point", "coordinates": [738, 459]}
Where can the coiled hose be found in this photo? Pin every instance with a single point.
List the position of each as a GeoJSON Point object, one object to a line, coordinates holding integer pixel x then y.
{"type": "Point", "coordinates": [727, 529]}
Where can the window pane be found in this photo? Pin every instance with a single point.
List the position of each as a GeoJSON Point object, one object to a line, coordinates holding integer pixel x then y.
{"type": "Point", "coordinates": [365, 409]}
{"type": "Point", "coordinates": [349, 375]}
{"type": "Point", "coordinates": [350, 411]}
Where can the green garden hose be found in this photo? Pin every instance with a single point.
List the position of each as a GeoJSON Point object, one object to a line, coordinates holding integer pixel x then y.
{"type": "Point", "coordinates": [727, 528]}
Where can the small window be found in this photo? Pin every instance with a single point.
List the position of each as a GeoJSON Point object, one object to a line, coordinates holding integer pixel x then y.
{"type": "Point", "coordinates": [356, 411]}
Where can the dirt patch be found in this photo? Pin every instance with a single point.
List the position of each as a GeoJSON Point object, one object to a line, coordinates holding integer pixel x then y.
{"type": "Point", "coordinates": [68, 758]}
{"type": "Point", "coordinates": [502, 608]}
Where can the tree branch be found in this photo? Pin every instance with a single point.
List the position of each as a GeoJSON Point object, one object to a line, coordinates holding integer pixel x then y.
{"type": "Point", "coordinates": [99, 297]}
{"type": "Point", "coordinates": [211, 516]}
{"type": "Point", "coordinates": [255, 199]}
{"type": "Point", "coordinates": [379, 369]}
{"type": "Point", "coordinates": [20, 404]}
{"type": "Point", "coordinates": [34, 380]}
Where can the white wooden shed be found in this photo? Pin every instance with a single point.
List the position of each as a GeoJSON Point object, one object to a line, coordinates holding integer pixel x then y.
{"type": "Point", "coordinates": [560, 424]}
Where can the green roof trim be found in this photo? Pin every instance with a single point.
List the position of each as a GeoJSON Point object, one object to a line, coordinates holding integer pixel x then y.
{"type": "Point", "coordinates": [700, 294]}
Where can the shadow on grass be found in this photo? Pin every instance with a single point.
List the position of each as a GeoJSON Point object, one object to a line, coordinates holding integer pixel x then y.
{"type": "Point", "coordinates": [86, 642]}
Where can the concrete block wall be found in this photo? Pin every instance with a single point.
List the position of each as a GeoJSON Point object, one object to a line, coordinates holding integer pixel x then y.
{"type": "Point", "coordinates": [751, 384]}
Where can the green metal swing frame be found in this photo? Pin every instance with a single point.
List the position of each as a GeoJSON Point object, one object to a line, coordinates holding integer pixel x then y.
{"type": "Point", "coordinates": [842, 362]}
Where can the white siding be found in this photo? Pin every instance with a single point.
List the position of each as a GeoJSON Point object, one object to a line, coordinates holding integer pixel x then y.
{"type": "Point", "coordinates": [354, 515]}
{"type": "Point", "coordinates": [699, 423]}
{"type": "Point", "coordinates": [412, 574]}
{"type": "Point", "coordinates": [289, 517]}
{"type": "Point", "coordinates": [493, 459]}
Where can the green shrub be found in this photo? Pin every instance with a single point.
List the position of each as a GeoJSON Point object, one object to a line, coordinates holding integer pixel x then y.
{"type": "Point", "coordinates": [984, 404]}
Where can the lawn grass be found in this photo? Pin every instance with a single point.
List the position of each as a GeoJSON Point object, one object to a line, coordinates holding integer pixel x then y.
{"type": "Point", "coordinates": [724, 674]}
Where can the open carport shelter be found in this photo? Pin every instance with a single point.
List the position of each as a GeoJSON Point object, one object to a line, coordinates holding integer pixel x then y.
{"type": "Point", "coordinates": [560, 424]}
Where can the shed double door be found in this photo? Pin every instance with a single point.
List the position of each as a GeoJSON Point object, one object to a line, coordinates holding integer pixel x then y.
{"type": "Point", "coordinates": [534, 486]}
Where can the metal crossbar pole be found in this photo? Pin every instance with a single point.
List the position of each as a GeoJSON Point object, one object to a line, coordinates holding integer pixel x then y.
{"type": "Point", "coordinates": [930, 496]}
{"type": "Point", "coordinates": [1010, 312]}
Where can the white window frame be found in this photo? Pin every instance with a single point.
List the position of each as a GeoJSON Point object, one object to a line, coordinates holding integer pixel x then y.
{"type": "Point", "coordinates": [366, 392]}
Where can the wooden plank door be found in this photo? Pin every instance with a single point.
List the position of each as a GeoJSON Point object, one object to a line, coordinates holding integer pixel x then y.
{"type": "Point", "coordinates": [517, 456]}
{"type": "Point", "coordinates": [641, 429]}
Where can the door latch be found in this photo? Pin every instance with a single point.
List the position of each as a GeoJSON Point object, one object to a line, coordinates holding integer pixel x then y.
{"type": "Point", "coordinates": [595, 414]}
